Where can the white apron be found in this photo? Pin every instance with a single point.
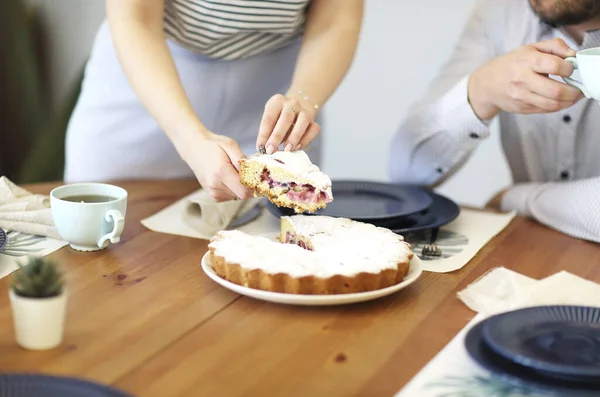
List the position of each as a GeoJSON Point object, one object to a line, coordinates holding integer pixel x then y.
{"type": "Point", "coordinates": [112, 136]}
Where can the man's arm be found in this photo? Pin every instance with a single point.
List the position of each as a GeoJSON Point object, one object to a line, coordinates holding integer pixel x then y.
{"type": "Point", "coordinates": [472, 89]}
{"type": "Point", "coordinates": [442, 129]}
{"type": "Point", "coordinates": [572, 207]}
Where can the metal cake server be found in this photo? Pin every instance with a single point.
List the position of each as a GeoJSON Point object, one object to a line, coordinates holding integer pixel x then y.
{"type": "Point", "coordinates": [248, 217]}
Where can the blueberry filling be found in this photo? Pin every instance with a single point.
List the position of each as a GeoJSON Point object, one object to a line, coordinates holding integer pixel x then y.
{"type": "Point", "coordinates": [305, 192]}
{"type": "Point", "coordinates": [265, 175]}
{"type": "Point", "coordinates": [289, 239]}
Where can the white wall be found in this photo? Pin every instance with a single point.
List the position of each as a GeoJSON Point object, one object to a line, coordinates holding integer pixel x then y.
{"type": "Point", "coordinates": [403, 44]}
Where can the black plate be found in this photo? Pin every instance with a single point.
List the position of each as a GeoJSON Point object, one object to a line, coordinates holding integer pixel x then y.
{"type": "Point", "coordinates": [524, 377]}
{"type": "Point", "coordinates": [3, 239]}
{"type": "Point", "coordinates": [441, 212]}
{"type": "Point", "coordinates": [558, 340]}
{"type": "Point", "coordinates": [25, 385]}
{"type": "Point", "coordinates": [369, 201]}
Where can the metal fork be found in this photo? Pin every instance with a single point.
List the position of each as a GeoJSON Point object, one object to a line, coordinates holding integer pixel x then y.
{"type": "Point", "coordinates": [432, 249]}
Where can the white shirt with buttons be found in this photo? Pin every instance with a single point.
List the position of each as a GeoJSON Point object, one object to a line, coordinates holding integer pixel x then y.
{"type": "Point", "coordinates": [554, 158]}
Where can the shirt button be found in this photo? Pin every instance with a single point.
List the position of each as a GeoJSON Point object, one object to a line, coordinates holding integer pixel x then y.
{"type": "Point", "coordinates": [567, 118]}
{"type": "Point", "coordinates": [564, 175]}
{"type": "Point", "coordinates": [474, 135]}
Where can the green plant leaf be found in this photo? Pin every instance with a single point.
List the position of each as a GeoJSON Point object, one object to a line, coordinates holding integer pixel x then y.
{"type": "Point", "coordinates": [39, 278]}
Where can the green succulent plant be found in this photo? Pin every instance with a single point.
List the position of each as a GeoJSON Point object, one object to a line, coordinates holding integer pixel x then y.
{"type": "Point", "coordinates": [39, 278]}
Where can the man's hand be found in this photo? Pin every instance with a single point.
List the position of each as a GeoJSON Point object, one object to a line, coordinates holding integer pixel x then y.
{"type": "Point", "coordinates": [518, 82]}
{"type": "Point", "coordinates": [215, 162]}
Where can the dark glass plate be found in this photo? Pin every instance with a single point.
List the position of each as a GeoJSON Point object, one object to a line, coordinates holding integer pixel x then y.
{"type": "Point", "coordinates": [369, 201]}
{"type": "Point", "coordinates": [518, 375]}
{"type": "Point", "coordinates": [558, 340]}
{"type": "Point", "coordinates": [34, 385]}
{"type": "Point", "coordinates": [441, 212]}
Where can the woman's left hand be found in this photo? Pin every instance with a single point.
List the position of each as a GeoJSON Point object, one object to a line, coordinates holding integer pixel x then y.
{"type": "Point", "coordinates": [289, 120]}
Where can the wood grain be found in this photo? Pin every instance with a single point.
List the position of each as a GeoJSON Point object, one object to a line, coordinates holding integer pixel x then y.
{"type": "Point", "coordinates": [143, 316]}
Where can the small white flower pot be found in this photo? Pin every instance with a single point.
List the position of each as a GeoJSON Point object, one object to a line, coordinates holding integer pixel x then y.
{"type": "Point", "coordinates": [39, 322]}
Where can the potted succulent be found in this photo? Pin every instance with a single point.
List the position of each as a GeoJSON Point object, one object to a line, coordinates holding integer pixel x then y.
{"type": "Point", "coordinates": [38, 299]}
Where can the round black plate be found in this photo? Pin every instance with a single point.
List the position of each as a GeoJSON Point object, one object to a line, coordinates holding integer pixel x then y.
{"type": "Point", "coordinates": [441, 212]}
{"type": "Point", "coordinates": [515, 374]}
{"type": "Point", "coordinates": [560, 340]}
{"type": "Point", "coordinates": [24, 385]}
{"type": "Point", "coordinates": [369, 201]}
{"type": "Point", "coordinates": [3, 239]}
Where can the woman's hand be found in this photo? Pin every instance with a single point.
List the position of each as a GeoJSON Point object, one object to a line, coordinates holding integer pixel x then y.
{"type": "Point", "coordinates": [215, 162]}
{"type": "Point", "coordinates": [289, 120]}
{"type": "Point", "coordinates": [328, 46]}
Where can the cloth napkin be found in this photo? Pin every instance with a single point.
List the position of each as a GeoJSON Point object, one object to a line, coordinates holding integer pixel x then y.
{"type": "Point", "coordinates": [500, 290]}
{"type": "Point", "coordinates": [198, 216]}
{"type": "Point", "coordinates": [25, 212]}
{"type": "Point", "coordinates": [503, 290]}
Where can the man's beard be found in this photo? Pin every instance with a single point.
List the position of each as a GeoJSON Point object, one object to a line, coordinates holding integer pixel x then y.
{"type": "Point", "coordinates": [565, 12]}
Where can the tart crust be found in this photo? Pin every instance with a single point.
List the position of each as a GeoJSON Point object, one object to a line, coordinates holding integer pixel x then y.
{"type": "Point", "coordinates": [308, 285]}
{"type": "Point", "coordinates": [250, 173]}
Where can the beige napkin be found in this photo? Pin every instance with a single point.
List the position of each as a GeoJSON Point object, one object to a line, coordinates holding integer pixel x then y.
{"type": "Point", "coordinates": [208, 217]}
{"type": "Point", "coordinates": [24, 211]}
{"type": "Point", "coordinates": [503, 290]}
{"type": "Point", "coordinates": [198, 216]}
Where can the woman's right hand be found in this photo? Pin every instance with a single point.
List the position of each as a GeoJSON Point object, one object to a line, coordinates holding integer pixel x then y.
{"type": "Point", "coordinates": [214, 159]}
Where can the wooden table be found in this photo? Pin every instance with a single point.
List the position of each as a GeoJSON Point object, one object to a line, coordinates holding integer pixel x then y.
{"type": "Point", "coordinates": [143, 316]}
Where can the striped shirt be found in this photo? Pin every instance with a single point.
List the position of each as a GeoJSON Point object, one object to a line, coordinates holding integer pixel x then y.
{"type": "Point", "coordinates": [553, 157]}
{"type": "Point", "coordinates": [234, 29]}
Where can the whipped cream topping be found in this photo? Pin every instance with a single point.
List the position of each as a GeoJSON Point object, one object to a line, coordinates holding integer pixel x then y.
{"type": "Point", "coordinates": [298, 163]}
{"type": "Point", "coordinates": [341, 247]}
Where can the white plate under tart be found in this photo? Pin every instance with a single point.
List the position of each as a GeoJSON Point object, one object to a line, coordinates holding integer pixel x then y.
{"type": "Point", "coordinates": [414, 271]}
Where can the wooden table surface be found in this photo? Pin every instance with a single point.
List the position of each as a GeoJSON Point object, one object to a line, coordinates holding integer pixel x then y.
{"type": "Point", "coordinates": [143, 316]}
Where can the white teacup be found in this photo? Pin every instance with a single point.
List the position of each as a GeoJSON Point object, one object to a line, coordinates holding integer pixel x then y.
{"type": "Point", "coordinates": [89, 216]}
{"type": "Point", "coordinates": [588, 63]}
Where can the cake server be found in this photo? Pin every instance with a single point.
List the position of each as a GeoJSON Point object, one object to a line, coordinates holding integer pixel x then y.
{"type": "Point", "coordinates": [248, 217]}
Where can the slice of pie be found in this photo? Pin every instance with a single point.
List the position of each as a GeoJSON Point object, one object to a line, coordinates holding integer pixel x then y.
{"type": "Point", "coordinates": [287, 179]}
{"type": "Point", "coordinates": [314, 255]}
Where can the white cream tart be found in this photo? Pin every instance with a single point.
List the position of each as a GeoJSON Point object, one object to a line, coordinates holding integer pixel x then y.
{"type": "Point", "coordinates": [314, 255]}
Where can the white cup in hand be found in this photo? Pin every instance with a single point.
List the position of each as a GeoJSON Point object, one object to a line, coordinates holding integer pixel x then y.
{"type": "Point", "coordinates": [588, 63]}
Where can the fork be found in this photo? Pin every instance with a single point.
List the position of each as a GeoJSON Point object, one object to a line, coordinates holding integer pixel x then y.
{"type": "Point", "coordinates": [432, 249]}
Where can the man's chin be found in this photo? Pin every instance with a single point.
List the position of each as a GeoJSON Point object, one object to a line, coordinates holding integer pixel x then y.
{"type": "Point", "coordinates": [565, 12]}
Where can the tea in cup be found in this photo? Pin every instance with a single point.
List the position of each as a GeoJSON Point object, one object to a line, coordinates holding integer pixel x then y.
{"type": "Point", "coordinates": [89, 216]}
